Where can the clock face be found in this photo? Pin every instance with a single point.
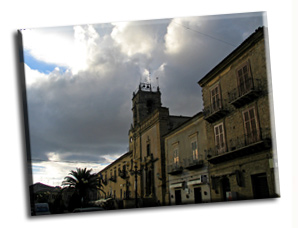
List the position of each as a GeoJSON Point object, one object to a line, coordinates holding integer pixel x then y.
{"type": "Point", "coordinates": [130, 139]}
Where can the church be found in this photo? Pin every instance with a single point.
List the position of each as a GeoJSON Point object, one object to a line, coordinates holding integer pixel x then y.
{"type": "Point", "coordinates": [138, 178]}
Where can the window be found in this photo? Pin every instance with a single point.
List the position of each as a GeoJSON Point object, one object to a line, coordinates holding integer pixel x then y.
{"type": "Point", "coordinates": [195, 152]}
{"type": "Point", "coordinates": [245, 81]}
{"type": "Point", "coordinates": [219, 138]}
{"type": "Point", "coordinates": [176, 156]}
{"type": "Point", "coordinates": [149, 105]}
{"type": "Point", "coordinates": [148, 149]}
{"type": "Point", "coordinates": [252, 132]}
{"type": "Point", "coordinates": [215, 99]}
{"type": "Point", "coordinates": [148, 182]}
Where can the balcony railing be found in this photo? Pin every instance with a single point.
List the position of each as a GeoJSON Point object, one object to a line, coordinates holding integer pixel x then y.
{"type": "Point", "coordinates": [113, 178]}
{"type": "Point", "coordinates": [245, 92]}
{"type": "Point", "coordinates": [122, 173]}
{"type": "Point", "coordinates": [214, 111]}
{"type": "Point", "coordinates": [217, 150]}
{"type": "Point", "coordinates": [175, 168]}
{"type": "Point", "coordinates": [242, 145]}
{"type": "Point", "coordinates": [104, 181]}
{"type": "Point", "coordinates": [193, 162]}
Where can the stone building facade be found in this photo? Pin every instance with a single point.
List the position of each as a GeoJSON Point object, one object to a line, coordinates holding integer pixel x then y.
{"type": "Point", "coordinates": [187, 167]}
{"type": "Point", "coordinates": [117, 182]}
{"type": "Point", "coordinates": [226, 152]}
{"type": "Point", "coordinates": [240, 149]}
{"type": "Point", "coordinates": [151, 122]}
{"type": "Point", "coordinates": [138, 178]}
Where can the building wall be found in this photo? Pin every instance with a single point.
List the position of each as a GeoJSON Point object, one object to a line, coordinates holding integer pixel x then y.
{"type": "Point", "coordinates": [119, 187]}
{"type": "Point", "coordinates": [150, 122]}
{"type": "Point", "coordinates": [245, 153]}
{"type": "Point", "coordinates": [185, 181]}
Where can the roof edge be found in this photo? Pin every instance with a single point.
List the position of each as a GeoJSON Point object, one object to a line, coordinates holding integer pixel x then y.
{"type": "Point", "coordinates": [246, 44]}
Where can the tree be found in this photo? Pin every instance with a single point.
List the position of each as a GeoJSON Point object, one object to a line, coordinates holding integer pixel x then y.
{"type": "Point", "coordinates": [82, 181]}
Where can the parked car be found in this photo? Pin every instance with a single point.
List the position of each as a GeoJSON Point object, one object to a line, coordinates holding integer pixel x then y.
{"type": "Point", "coordinates": [42, 209]}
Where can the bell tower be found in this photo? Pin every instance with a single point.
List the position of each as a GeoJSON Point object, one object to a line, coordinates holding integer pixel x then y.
{"type": "Point", "coordinates": [144, 102]}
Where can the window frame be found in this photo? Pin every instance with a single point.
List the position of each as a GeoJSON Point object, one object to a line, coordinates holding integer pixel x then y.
{"type": "Point", "coordinates": [247, 84]}
{"type": "Point", "coordinates": [195, 151]}
{"type": "Point", "coordinates": [175, 156]}
{"type": "Point", "coordinates": [220, 137]}
{"type": "Point", "coordinates": [254, 127]}
{"type": "Point", "coordinates": [215, 99]}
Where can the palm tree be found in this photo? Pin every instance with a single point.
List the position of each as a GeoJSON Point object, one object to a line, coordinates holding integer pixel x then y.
{"type": "Point", "coordinates": [82, 181]}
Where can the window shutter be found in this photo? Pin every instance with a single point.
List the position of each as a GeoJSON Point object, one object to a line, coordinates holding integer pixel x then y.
{"type": "Point", "coordinates": [251, 125]}
{"type": "Point", "coordinates": [219, 138]}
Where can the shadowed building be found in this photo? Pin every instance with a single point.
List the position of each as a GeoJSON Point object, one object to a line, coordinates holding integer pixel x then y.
{"type": "Point", "coordinates": [224, 153]}
{"type": "Point", "coordinates": [237, 111]}
{"type": "Point", "coordinates": [116, 181]}
{"type": "Point", "coordinates": [151, 122]}
{"type": "Point", "coordinates": [138, 178]}
{"type": "Point", "coordinates": [187, 167]}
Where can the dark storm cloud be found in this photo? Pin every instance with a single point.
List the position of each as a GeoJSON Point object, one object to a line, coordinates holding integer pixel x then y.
{"type": "Point", "coordinates": [80, 116]}
{"type": "Point", "coordinates": [87, 116]}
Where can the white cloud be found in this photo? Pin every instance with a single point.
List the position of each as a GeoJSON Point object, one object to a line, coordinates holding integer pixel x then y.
{"type": "Point", "coordinates": [73, 50]}
{"type": "Point", "coordinates": [177, 36]}
{"type": "Point", "coordinates": [133, 39]}
{"type": "Point", "coordinates": [33, 76]}
{"type": "Point", "coordinates": [53, 171]}
{"type": "Point", "coordinates": [36, 78]}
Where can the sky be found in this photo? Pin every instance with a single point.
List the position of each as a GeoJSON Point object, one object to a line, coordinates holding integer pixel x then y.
{"type": "Point", "coordinates": [80, 80]}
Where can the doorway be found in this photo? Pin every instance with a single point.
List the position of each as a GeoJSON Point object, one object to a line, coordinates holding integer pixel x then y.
{"type": "Point", "coordinates": [198, 195]}
{"type": "Point", "coordinates": [225, 186]}
{"type": "Point", "coordinates": [260, 186]}
{"type": "Point", "coordinates": [178, 197]}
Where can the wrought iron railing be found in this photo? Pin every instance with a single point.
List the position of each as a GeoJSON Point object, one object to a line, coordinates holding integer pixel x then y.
{"type": "Point", "coordinates": [113, 178]}
{"type": "Point", "coordinates": [175, 167]}
{"type": "Point", "coordinates": [122, 173]}
{"type": "Point", "coordinates": [104, 181]}
{"type": "Point", "coordinates": [193, 161]}
{"type": "Point", "coordinates": [244, 88]}
{"type": "Point", "coordinates": [214, 107]}
{"type": "Point", "coordinates": [241, 141]}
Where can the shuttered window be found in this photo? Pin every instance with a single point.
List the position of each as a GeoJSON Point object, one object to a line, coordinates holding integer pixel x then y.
{"type": "Point", "coordinates": [176, 156]}
{"type": "Point", "coordinates": [195, 152]}
{"type": "Point", "coordinates": [252, 131]}
{"type": "Point", "coordinates": [245, 82]}
{"type": "Point", "coordinates": [219, 138]}
{"type": "Point", "coordinates": [215, 99]}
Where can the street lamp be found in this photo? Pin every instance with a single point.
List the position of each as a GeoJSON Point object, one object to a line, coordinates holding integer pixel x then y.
{"type": "Point", "coordinates": [136, 172]}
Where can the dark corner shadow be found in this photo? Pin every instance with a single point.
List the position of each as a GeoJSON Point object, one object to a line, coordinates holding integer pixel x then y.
{"type": "Point", "coordinates": [23, 118]}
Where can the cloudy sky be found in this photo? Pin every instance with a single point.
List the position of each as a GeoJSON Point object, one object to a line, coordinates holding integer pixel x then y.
{"type": "Point", "coordinates": [80, 80]}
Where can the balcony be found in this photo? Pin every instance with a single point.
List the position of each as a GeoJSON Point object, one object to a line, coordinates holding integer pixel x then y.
{"type": "Point", "coordinates": [104, 181]}
{"type": "Point", "coordinates": [245, 93]}
{"type": "Point", "coordinates": [122, 173]}
{"type": "Point", "coordinates": [215, 111]}
{"type": "Point", "coordinates": [240, 146]}
{"type": "Point", "coordinates": [192, 163]}
{"type": "Point", "coordinates": [113, 179]}
{"type": "Point", "coordinates": [175, 168]}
